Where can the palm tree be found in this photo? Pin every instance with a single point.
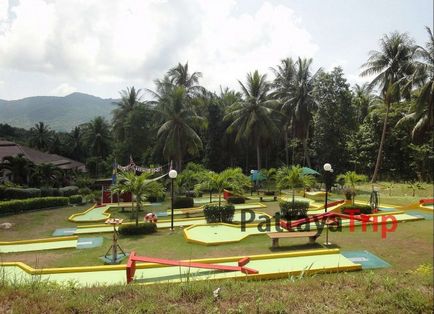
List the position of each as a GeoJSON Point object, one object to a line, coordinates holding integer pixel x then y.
{"type": "Point", "coordinates": [363, 100]}
{"type": "Point", "coordinates": [351, 178]}
{"type": "Point", "coordinates": [138, 185]}
{"type": "Point", "coordinates": [46, 174]}
{"type": "Point", "coordinates": [179, 76]}
{"type": "Point", "coordinates": [232, 178]}
{"type": "Point", "coordinates": [177, 132]}
{"type": "Point", "coordinates": [40, 136]}
{"type": "Point", "coordinates": [423, 111]}
{"type": "Point", "coordinates": [76, 143]}
{"type": "Point", "coordinates": [130, 99]}
{"type": "Point", "coordinates": [18, 166]}
{"type": "Point", "coordinates": [283, 87]}
{"type": "Point", "coordinates": [252, 117]}
{"type": "Point", "coordinates": [392, 65]}
{"type": "Point", "coordinates": [292, 177]}
{"type": "Point", "coordinates": [97, 137]}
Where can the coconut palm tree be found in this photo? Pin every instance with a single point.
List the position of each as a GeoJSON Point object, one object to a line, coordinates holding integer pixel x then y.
{"type": "Point", "coordinates": [391, 65]}
{"type": "Point", "coordinates": [75, 138]}
{"type": "Point", "coordinates": [41, 136]}
{"type": "Point", "coordinates": [180, 76]}
{"type": "Point", "coordinates": [97, 137]}
{"type": "Point", "coordinates": [282, 91]}
{"type": "Point", "coordinates": [130, 99]}
{"type": "Point", "coordinates": [46, 175]}
{"type": "Point", "coordinates": [138, 185]}
{"type": "Point", "coordinates": [351, 178]}
{"type": "Point", "coordinates": [251, 118]}
{"type": "Point", "coordinates": [363, 100]}
{"type": "Point", "coordinates": [423, 111]}
{"type": "Point", "coordinates": [177, 134]}
{"type": "Point", "coordinates": [292, 177]}
{"type": "Point", "coordinates": [18, 166]}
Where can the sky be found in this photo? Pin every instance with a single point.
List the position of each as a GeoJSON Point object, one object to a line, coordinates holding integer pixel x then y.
{"type": "Point", "coordinates": [99, 47]}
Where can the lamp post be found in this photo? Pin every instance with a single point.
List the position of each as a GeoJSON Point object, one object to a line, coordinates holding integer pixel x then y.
{"type": "Point", "coordinates": [328, 170]}
{"type": "Point", "coordinates": [172, 175]}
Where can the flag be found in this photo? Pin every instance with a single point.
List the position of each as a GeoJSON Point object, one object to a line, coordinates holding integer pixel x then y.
{"type": "Point", "coordinates": [115, 172]}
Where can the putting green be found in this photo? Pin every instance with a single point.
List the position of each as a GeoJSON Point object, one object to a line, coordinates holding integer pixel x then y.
{"type": "Point", "coordinates": [100, 213]}
{"type": "Point", "coordinates": [225, 233]}
{"type": "Point", "coordinates": [161, 224]}
{"type": "Point", "coordinates": [38, 245]}
{"type": "Point", "coordinates": [269, 266]}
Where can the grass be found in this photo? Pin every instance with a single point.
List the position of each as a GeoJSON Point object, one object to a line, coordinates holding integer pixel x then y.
{"type": "Point", "coordinates": [405, 287]}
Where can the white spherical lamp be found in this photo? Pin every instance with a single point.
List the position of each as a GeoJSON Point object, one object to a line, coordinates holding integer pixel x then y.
{"type": "Point", "coordinates": [173, 174]}
{"type": "Point", "coordinates": [328, 167]}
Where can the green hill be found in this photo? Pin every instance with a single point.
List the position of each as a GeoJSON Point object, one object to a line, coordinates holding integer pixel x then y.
{"type": "Point", "coordinates": [60, 113]}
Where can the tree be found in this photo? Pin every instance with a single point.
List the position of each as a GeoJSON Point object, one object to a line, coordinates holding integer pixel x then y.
{"type": "Point", "coordinates": [252, 117]}
{"type": "Point", "coordinates": [422, 113]}
{"type": "Point", "coordinates": [138, 185]}
{"type": "Point", "coordinates": [391, 65]}
{"type": "Point", "coordinates": [177, 135]}
{"type": "Point", "coordinates": [351, 178]}
{"type": "Point", "coordinates": [180, 76]}
{"type": "Point", "coordinates": [41, 136]}
{"type": "Point", "coordinates": [363, 99]}
{"type": "Point", "coordinates": [97, 137]}
{"type": "Point", "coordinates": [46, 175]}
{"type": "Point", "coordinates": [75, 138]}
{"type": "Point", "coordinates": [292, 177]}
{"type": "Point", "coordinates": [18, 166]}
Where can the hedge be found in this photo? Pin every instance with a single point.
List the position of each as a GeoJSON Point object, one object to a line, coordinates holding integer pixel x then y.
{"type": "Point", "coordinates": [75, 199]}
{"type": "Point", "coordinates": [215, 213]}
{"type": "Point", "coordinates": [142, 228]}
{"type": "Point", "coordinates": [356, 209]}
{"type": "Point", "coordinates": [69, 190]}
{"type": "Point", "coordinates": [183, 202]}
{"type": "Point", "coordinates": [7, 193]}
{"type": "Point", "coordinates": [293, 210]}
{"type": "Point", "coordinates": [17, 206]}
{"type": "Point", "coordinates": [236, 200]}
{"type": "Point", "coordinates": [47, 191]}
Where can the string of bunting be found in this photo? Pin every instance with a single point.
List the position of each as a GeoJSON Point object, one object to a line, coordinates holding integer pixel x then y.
{"type": "Point", "coordinates": [139, 169]}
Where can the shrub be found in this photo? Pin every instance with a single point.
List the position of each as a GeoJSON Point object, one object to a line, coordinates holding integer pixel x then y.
{"type": "Point", "coordinates": [75, 199]}
{"type": "Point", "coordinates": [356, 209]}
{"type": "Point", "coordinates": [269, 193]}
{"type": "Point", "coordinates": [17, 206]}
{"type": "Point", "coordinates": [155, 192]}
{"type": "Point", "coordinates": [193, 194]}
{"type": "Point", "coordinates": [142, 228]}
{"type": "Point", "coordinates": [348, 194]}
{"type": "Point", "coordinates": [236, 200]}
{"type": "Point", "coordinates": [294, 210]}
{"type": "Point", "coordinates": [69, 190]}
{"type": "Point", "coordinates": [215, 213]}
{"type": "Point", "coordinates": [47, 191]}
{"type": "Point", "coordinates": [183, 202]}
{"type": "Point", "coordinates": [11, 193]}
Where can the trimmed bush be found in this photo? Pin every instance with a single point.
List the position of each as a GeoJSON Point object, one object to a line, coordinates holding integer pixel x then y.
{"type": "Point", "coordinates": [294, 210]}
{"type": "Point", "coordinates": [47, 191]}
{"type": "Point", "coordinates": [69, 190]}
{"type": "Point", "coordinates": [17, 206]}
{"type": "Point", "coordinates": [142, 228]}
{"type": "Point", "coordinates": [183, 202]}
{"type": "Point", "coordinates": [214, 213]}
{"type": "Point", "coordinates": [236, 200]}
{"type": "Point", "coordinates": [11, 193]}
{"type": "Point", "coordinates": [356, 209]}
{"type": "Point", "coordinates": [75, 199]}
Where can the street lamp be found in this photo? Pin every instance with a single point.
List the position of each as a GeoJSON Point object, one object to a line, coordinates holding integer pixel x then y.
{"type": "Point", "coordinates": [328, 170]}
{"type": "Point", "coordinates": [172, 175]}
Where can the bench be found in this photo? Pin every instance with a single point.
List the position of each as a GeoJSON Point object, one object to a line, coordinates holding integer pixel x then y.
{"type": "Point", "coordinates": [275, 236]}
{"type": "Point", "coordinates": [268, 198]}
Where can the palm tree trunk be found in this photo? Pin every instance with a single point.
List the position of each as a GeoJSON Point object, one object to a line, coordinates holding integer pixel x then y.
{"type": "Point", "coordinates": [258, 155]}
{"type": "Point", "coordinates": [285, 138]}
{"type": "Point", "coordinates": [137, 214]}
{"type": "Point", "coordinates": [380, 149]}
{"type": "Point", "coordinates": [306, 148]}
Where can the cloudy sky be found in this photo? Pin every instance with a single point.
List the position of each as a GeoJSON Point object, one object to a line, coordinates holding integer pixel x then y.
{"type": "Point", "coordinates": [55, 47]}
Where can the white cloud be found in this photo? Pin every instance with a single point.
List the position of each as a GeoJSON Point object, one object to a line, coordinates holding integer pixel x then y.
{"type": "Point", "coordinates": [118, 41]}
{"type": "Point", "coordinates": [63, 90]}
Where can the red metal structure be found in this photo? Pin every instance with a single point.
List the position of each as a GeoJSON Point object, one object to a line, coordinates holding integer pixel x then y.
{"type": "Point", "coordinates": [133, 258]}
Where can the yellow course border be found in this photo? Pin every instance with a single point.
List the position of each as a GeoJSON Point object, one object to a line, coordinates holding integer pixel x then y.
{"type": "Point", "coordinates": [44, 240]}
{"type": "Point", "coordinates": [71, 218]}
{"type": "Point", "coordinates": [32, 271]}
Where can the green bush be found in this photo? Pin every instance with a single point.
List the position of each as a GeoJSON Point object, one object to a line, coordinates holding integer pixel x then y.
{"type": "Point", "coordinates": [236, 200]}
{"type": "Point", "coordinates": [356, 209]}
{"type": "Point", "coordinates": [142, 228]}
{"type": "Point", "coordinates": [11, 193]}
{"type": "Point", "coordinates": [69, 190]}
{"type": "Point", "coordinates": [215, 213]}
{"type": "Point", "coordinates": [47, 191]}
{"type": "Point", "coordinates": [183, 202]}
{"type": "Point", "coordinates": [156, 192]}
{"type": "Point", "coordinates": [269, 193]}
{"type": "Point", "coordinates": [17, 206]}
{"type": "Point", "coordinates": [293, 210]}
{"type": "Point", "coordinates": [75, 199]}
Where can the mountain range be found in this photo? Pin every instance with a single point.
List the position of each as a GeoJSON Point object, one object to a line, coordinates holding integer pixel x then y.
{"type": "Point", "coordinates": [60, 113]}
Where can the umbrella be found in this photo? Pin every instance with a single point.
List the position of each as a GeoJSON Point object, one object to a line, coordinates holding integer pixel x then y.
{"type": "Point", "coordinates": [309, 171]}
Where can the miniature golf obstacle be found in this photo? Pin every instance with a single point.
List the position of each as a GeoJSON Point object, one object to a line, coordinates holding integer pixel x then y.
{"type": "Point", "coordinates": [133, 258]}
{"type": "Point", "coordinates": [114, 258]}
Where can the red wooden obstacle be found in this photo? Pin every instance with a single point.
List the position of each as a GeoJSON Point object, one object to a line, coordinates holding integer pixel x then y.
{"type": "Point", "coordinates": [133, 258]}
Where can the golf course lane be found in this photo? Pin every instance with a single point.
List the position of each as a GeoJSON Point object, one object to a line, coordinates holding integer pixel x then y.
{"type": "Point", "coordinates": [225, 233]}
{"type": "Point", "coordinates": [268, 266]}
{"type": "Point", "coordinates": [38, 246]}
